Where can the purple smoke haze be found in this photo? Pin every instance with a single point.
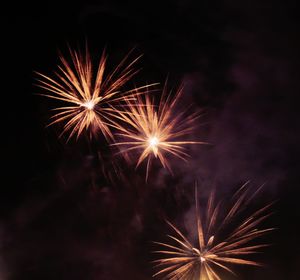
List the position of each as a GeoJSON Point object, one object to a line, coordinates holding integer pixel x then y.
{"type": "Point", "coordinates": [64, 214]}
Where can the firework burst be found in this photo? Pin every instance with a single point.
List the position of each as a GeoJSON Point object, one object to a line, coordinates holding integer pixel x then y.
{"type": "Point", "coordinates": [182, 260]}
{"type": "Point", "coordinates": [89, 100]}
{"type": "Point", "coordinates": [156, 131]}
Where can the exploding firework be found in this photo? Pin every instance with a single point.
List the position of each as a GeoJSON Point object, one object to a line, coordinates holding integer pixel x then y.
{"type": "Point", "coordinates": [156, 131]}
{"type": "Point", "coordinates": [182, 260]}
{"type": "Point", "coordinates": [89, 100]}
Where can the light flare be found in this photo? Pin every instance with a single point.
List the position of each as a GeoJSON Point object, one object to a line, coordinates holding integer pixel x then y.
{"type": "Point", "coordinates": [89, 105]}
{"type": "Point", "coordinates": [202, 259]}
{"type": "Point", "coordinates": [153, 144]}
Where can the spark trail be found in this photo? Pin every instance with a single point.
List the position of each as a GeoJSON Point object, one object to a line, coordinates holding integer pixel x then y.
{"type": "Point", "coordinates": [156, 131]}
{"type": "Point", "coordinates": [89, 102]}
{"type": "Point", "coordinates": [183, 260]}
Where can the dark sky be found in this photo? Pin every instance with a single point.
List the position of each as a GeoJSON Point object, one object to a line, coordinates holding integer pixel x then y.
{"type": "Point", "coordinates": [61, 215]}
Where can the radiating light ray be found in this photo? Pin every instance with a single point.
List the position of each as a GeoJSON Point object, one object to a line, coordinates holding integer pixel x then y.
{"type": "Point", "coordinates": [156, 131]}
{"type": "Point", "coordinates": [181, 260]}
{"type": "Point", "coordinates": [90, 99]}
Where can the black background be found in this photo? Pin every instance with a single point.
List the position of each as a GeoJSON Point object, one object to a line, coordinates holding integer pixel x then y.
{"type": "Point", "coordinates": [60, 218]}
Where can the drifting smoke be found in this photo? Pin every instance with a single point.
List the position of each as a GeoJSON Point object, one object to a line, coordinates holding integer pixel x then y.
{"type": "Point", "coordinates": [66, 219]}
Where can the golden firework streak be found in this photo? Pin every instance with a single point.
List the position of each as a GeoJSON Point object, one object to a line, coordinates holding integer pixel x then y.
{"type": "Point", "coordinates": [182, 260]}
{"type": "Point", "coordinates": [91, 100]}
{"type": "Point", "coordinates": [155, 131]}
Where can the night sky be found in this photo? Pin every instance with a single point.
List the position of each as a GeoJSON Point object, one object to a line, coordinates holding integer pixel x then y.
{"type": "Point", "coordinates": [64, 212]}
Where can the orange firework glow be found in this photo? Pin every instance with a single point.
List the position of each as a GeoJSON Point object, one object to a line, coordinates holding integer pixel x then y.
{"type": "Point", "coordinates": [182, 260]}
{"type": "Point", "coordinates": [156, 131]}
{"type": "Point", "coordinates": [89, 99]}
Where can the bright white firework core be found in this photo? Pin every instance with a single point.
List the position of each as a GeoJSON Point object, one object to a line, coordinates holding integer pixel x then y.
{"type": "Point", "coordinates": [89, 105]}
{"type": "Point", "coordinates": [153, 142]}
{"type": "Point", "coordinates": [202, 259]}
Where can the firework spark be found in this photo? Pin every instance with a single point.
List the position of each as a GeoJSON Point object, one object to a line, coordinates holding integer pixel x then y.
{"type": "Point", "coordinates": [155, 130]}
{"type": "Point", "coordinates": [182, 260]}
{"type": "Point", "coordinates": [90, 99]}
